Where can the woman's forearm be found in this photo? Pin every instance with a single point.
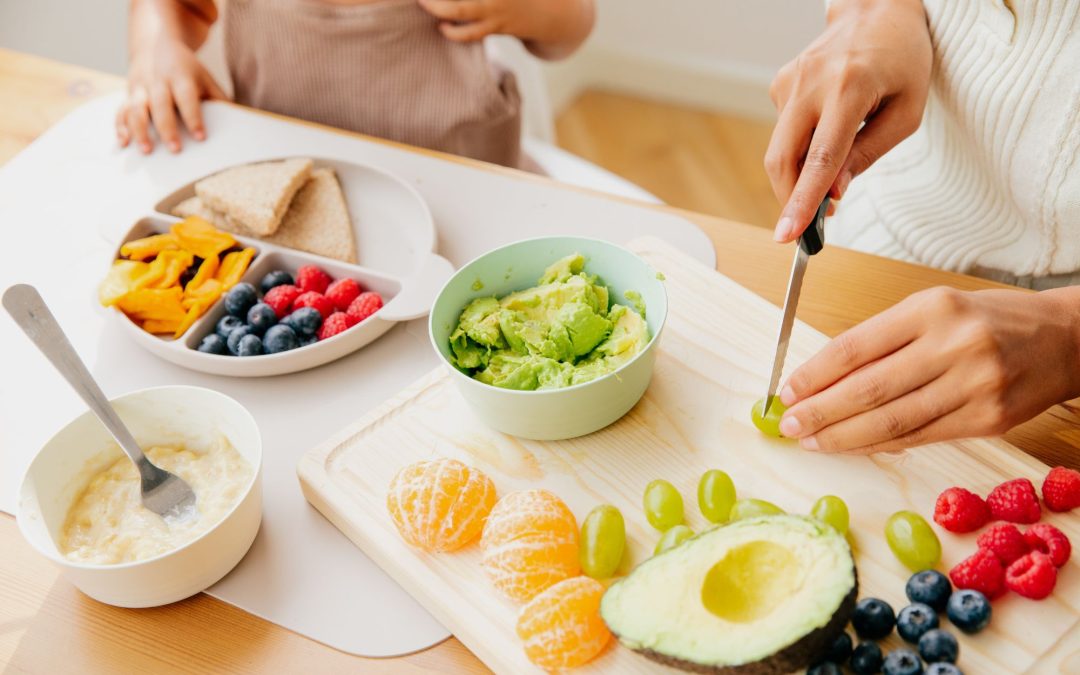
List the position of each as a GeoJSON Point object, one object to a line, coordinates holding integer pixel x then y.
{"type": "Point", "coordinates": [1067, 302]}
{"type": "Point", "coordinates": [567, 25]}
{"type": "Point", "coordinates": [186, 21]}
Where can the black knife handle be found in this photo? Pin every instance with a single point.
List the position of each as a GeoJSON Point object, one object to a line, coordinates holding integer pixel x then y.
{"type": "Point", "coordinates": [813, 238]}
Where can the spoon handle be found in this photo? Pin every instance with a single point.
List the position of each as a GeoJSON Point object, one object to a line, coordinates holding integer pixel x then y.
{"type": "Point", "coordinates": [25, 305]}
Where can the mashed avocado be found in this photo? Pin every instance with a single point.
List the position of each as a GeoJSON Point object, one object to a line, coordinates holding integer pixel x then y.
{"type": "Point", "coordinates": [562, 332]}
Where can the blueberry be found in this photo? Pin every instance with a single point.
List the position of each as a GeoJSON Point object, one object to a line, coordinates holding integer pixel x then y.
{"type": "Point", "coordinates": [839, 650]}
{"type": "Point", "coordinates": [280, 339]}
{"type": "Point", "coordinates": [914, 620]}
{"type": "Point", "coordinates": [936, 645]}
{"type": "Point", "coordinates": [260, 317]}
{"type": "Point", "coordinates": [250, 345]}
{"type": "Point", "coordinates": [227, 324]}
{"type": "Point", "coordinates": [866, 659]}
{"type": "Point", "coordinates": [929, 587]}
{"type": "Point", "coordinates": [240, 298]}
{"type": "Point", "coordinates": [234, 338]}
{"type": "Point", "coordinates": [969, 611]}
{"type": "Point", "coordinates": [304, 321]}
{"type": "Point", "coordinates": [873, 619]}
{"type": "Point", "coordinates": [213, 344]}
{"type": "Point", "coordinates": [824, 668]}
{"type": "Point", "coordinates": [275, 278]}
{"type": "Point", "coordinates": [902, 661]}
{"type": "Point", "coordinates": [943, 669]}
{"type": "Point", "coordinates": [308, 340]}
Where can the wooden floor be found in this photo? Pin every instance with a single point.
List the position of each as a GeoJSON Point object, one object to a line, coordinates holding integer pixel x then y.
{"type": "Point", "coordinates": [693, 159]}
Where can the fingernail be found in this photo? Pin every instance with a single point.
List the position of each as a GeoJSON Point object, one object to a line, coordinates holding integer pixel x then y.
{"type": "Point", "coordinates": [783, 229]}
{"type": "Point", "coordinates": [789, 426]}
{"type": "Point", "coordinates": [145, 148]}
{"type": "Point", "coordinates": [787, 396]}
{"type": "Point", "coordinates": [809, 443]}
{"type": "Point", "coordinates": [200, 135]}
{"type": "Point", "coordinates": [845, 180]}
{"type": "Point", "coordinates": [174, 146]}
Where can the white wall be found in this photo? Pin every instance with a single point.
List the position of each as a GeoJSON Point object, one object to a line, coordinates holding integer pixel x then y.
{"type": "Point", "coordinates": [714, 53]}
{"type": "Point", "coordinates": [91, 33]}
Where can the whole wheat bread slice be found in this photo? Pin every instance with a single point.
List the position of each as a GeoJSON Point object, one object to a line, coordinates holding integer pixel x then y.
{"type": "Point", "coordinates": [318, 220]}
{"type": "Point", "coordinates": [193, 206]}
{"type": "Point", "coordinates": [254, 197]}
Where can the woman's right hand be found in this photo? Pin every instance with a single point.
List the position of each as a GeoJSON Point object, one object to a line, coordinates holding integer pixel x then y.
{"type": "Point", "coordinates": [871, 64]}
{"type": "Point", "coordinates": [165, 78]}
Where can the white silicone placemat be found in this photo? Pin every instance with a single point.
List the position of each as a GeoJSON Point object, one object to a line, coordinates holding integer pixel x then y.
{"type": "Point", "coordinates": [73, 183]}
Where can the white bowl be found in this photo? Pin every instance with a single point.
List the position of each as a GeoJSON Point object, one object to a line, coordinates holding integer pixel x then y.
{"type": "Point", "coordinates": [552, 414]}
{"type": "Point", "coordinates": [192, 416]}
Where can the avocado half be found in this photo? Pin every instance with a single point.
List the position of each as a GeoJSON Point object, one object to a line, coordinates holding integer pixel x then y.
{"type": "Point", "coordinates": [756, 596]}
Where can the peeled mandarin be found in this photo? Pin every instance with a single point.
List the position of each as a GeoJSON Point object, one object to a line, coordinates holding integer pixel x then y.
{"type": "Point", "coordinates": [440, 505]}
{"type": "Point", "coordinates": [561, 627]}
{"type": "Point", "coordinates": [530, 542]}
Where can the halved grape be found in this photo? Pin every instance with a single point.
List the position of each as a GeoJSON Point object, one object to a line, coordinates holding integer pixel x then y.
{"type": "Point", "coordinates": [672, 538]}
{"type": "Point", "coordinates": [768, 423]}
{"type": "Point", "coordinates": [912, 540]}
{"type": "Point", "coordinates": [603, 540]}
{"type": "Point", "coordinates": [748, 508]}
{"type": "Point", "coordinates": [663, 504]}
{"type": "Point", "coordinates": [715, 494]}
{"type": "Point", "coordinates": [832, 510]}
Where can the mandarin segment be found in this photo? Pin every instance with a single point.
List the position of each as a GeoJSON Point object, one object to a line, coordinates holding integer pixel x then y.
{"type": "Point", "coordinates": [530, 542]}
{"type": "Point", "coordinates": [561, 627]}
{"type": "Point", "coordinates": [440, 505]}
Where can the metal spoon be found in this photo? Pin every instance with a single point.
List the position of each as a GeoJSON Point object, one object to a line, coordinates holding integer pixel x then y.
{"type": "Point", "coordinates": [163, 493]}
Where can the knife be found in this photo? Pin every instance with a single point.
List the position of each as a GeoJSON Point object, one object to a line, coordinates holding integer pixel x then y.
{"type": "Point", "coordinates": [810, 243]}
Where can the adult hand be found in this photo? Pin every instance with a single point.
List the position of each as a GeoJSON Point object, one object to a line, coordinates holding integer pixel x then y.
{"type": "Point", "coordinates": [164, 79]}
{"type": "Point", "coordinates": [942, 364]}
{"type": "Point", "coordinates": [872, 65]}
{"type": "Point", "coordinates": [550, 29]}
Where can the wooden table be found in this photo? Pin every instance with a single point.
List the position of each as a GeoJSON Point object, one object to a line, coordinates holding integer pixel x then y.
{"type": "Point", "coordinates": [46, 626]}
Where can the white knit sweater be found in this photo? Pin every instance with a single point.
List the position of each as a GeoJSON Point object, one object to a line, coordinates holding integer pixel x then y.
{"type": "Point", "coordinates": [990, 183]}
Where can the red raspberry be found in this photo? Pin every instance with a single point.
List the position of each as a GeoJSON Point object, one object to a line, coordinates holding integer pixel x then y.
{"type": "Point", "coordinates": [316, 300]}
{"type": "Point", "coordinates": [342, 292]}
{"type": "Point", "coordinates": [1061, 489]}
{"type": "Point", "coordinates": [364, 306]}
{"type": "Point", "coordinates": [1045, 538]}
{"type": "Point", "coordinates": [1004, 541]}
{"type": "Point", "coordinates": [311, 278]}
{"type": "Point", "coordinates": [281, 298]}
{"type": "Point", "coordinates": [1032, 576]}
{"type": "Point", "coordinates": [960, 510]}
{"type": "Point", "coordinates": [1015, 501]}
{"type": "Point", "coordinates": [981, 572]}
{"type": "Point", "coordinates": [334, 324]}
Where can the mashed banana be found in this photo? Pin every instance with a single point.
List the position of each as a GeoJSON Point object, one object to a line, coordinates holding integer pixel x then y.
{"type": "Point", "coordinates": [107, 524]}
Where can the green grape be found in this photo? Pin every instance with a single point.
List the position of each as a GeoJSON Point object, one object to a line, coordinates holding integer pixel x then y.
{"type": "Point", "coordinates": [912, 540]}
{"type": "Point", "coordinates": [663, 504]}
{"type": "Point", "coordinates": [672, 538]}
{"type": "Point", "coordinates": [832, 510]}
{"type": "Point", "coordinates": [748, 508]}
{"type": "Point", "coordinates": [768, 424]}
{"type": "Point", "coordinates": [603, 540]}
{"type": "Point", "coordinates": [715, 495]}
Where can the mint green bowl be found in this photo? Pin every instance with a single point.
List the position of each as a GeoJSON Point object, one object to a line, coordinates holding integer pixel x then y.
{"type": "Point", "coordinates": [552, 414]}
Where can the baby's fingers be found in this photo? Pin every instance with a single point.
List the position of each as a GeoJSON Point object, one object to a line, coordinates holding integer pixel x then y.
{"type": "Point", "coordinates": [164, 116]}
{"type": "Point", "coordinates": [138, 119]}
{"type": "Point", "coordinates": [454, 10]}
{"type": "Point", "coordinates": [468, 32]}
{"type": "Point", "coordinates": [123, 134]}
{"type": "Point", "coordinates": [187, 97]}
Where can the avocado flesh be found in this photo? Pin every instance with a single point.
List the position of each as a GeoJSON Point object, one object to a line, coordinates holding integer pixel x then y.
{"type": "Point", "coordinates": [562, 332]}
{"type": "Point", "coordinates": [760, 595]}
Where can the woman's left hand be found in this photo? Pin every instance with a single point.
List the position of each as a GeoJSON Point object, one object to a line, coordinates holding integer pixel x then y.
{"type": "Point", "coordinates": [942, 364]}
{"type": "Point", "coordinates": [551, 29]}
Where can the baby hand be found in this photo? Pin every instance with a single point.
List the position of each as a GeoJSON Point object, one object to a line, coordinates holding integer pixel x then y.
{"type": "Point", "coordinates": [552, 28]}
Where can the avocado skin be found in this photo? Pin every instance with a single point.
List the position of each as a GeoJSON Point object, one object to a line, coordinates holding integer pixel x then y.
{"type": "Point", "coordinates": [795, 656]}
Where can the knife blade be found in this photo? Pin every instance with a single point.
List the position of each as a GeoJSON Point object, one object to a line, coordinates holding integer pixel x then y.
{"type": "Point", "coordinates": [810, 243]}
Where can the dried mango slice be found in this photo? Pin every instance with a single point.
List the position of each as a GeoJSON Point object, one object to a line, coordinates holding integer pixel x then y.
{"type": "Point", "coordinates": [194, 312]}
{"type": "Point", "coordinates": [148, 247]}
{"type": "Point", "coordinates": [233, 266]}
{"type": "Point", "coordinates": [207, 270]}
{"type": "Point", "coordinates": [160, 304]}
{"type": "Point", "coordinates": [176, 263]}
{"type": "Point", "coordinates": [201, 238]}
{"type": "Point", "coordinates": [120, 280]}
{"type": "Point", "coordinates": [158, 326]}
{"type": "Point", "coordinates": [206, 293]}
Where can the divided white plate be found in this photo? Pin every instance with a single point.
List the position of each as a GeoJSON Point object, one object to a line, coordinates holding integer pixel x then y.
{"type": "Point", "coordinates": [396, 240]}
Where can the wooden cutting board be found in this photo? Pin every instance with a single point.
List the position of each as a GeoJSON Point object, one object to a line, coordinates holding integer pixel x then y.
{"type": "Point", "coordinates": [695, 416]}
